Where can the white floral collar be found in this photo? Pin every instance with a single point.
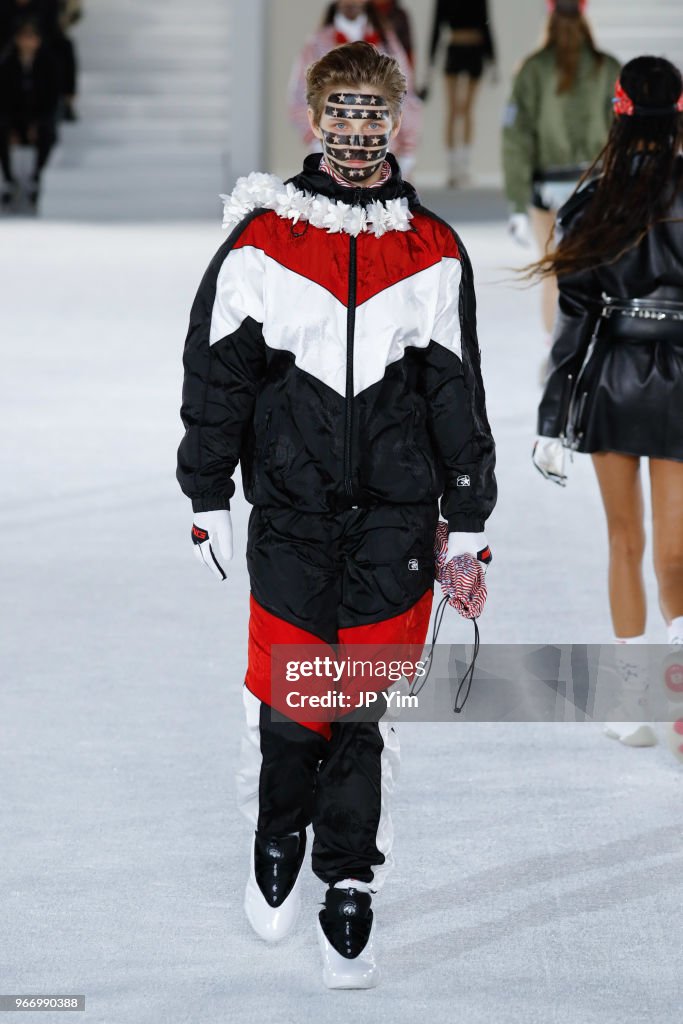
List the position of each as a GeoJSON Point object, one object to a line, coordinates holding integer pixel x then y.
{"type": "Point", "coordinates": [266, 191]}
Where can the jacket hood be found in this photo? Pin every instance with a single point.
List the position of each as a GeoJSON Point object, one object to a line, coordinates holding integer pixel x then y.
{"type": "Point", "coordinates": [316, 198]}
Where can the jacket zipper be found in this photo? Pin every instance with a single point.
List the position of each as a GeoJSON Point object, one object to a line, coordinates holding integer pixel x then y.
{"type": "Point", "coordinates": [566, 406]}
{"type": "Point", "coordinates": [350, 330]}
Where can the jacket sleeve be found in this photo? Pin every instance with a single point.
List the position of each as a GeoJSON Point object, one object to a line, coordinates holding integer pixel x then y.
{"type": "Point", "coordinates": [456, 402]}
{"type": "Point", "coordinates": [578, 309]}
{"type": "Point", "coordinates": [224, 363]}
{"type": "Point", "coordinates": [519, 140]}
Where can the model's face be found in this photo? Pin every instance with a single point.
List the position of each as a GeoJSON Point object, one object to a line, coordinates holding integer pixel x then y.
{"type": "Point", "coordinates": [356, 129]}
{"type": "Point", "coordinates": [351, 8]}
{"type": "Point", "coordinates": [28, 43]}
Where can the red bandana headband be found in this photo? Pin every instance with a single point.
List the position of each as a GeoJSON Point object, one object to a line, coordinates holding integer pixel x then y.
{"type": "Point", "coordinates": [624, 105]}
{"type": "Point", "coordinates": [369, 37]}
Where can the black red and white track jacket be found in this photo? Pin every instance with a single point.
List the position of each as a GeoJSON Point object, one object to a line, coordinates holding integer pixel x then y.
{"type": "Point", "coordinates": [332, 351]}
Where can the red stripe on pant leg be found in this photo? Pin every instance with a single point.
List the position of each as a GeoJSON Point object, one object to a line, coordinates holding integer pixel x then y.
{"type": "Point", "coordinates": [266, 629]}
{"type": "Point", "coordinates": [410, 627]}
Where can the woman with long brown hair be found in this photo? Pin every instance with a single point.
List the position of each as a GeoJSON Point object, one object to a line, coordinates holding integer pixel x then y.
{"type": "Point", "coordinates": [615, 381]}
{"type": "Point", "coordinates": [555, 124]}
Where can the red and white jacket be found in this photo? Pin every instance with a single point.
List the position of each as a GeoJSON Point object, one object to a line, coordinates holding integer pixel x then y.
{"type": "Point", "coordinates": [332, 351]}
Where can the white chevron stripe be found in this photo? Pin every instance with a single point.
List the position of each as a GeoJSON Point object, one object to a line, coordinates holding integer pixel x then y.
{"type": "Point", "coordinates": [239, 292]}
{"type": "Point", "coordinates": [446, 330]}
{"type": "Point", "coordinates": [302, 317]}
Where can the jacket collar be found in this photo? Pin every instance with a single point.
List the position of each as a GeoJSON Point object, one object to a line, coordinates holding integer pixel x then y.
{"type": "Point", "coordinates": [312, 179]}
{"type": "Point", "coordinates": [314, 197]}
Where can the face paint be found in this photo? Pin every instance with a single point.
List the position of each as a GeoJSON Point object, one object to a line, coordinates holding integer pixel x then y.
{"type": "Point", "coordinates": [368, 149]}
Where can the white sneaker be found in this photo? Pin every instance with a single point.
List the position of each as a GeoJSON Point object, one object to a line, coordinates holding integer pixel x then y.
{"type": "Point", "coordinates": [272, 897]}
{"type": "Point", "coordinates": [632, 734]}
{"type": "Point", "coordinates": [346, 937]}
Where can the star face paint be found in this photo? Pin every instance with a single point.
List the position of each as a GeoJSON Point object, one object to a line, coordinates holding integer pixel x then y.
{"type": "Point", "coordinates": [356, 155]}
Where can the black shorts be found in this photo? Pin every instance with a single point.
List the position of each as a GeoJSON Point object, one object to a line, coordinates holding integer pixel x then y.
{"type": "Point", "coordinates": [465, 60]}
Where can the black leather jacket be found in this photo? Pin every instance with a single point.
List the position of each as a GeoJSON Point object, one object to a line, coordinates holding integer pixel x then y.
{"type": "Point", "coordinates": [652, 270]}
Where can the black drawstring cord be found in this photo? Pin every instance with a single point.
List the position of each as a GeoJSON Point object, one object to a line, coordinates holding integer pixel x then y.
{"type": "Point", "coordinates": [469, 672]}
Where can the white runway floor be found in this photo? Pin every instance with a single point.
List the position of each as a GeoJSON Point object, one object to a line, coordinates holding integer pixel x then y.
{"type": "Point", "coordinates": [539, 871]}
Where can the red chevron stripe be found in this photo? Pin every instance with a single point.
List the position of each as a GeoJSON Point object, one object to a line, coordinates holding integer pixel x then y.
{"type": "Point", "coordinates": [324, 258]}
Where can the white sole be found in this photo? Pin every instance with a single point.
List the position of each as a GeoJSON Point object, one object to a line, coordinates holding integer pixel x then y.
{"type": "Point", "coordinates": [340, 973]}
{"type": "Point", "coordinates": [272, 924]}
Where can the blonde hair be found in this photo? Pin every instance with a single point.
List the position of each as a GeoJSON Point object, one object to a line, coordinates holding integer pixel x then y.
{"type": "Point", "coordinates": [355, 64]}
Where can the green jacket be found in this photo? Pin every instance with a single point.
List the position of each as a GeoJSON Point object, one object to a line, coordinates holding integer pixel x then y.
{"type": "Point", "coordinates": [543, 129]}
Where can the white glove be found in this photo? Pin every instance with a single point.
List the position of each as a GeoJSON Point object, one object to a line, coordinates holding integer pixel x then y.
{"type": "Point", "coordinates": [520, 229]}
{"type": "Point", "coordinates": [211, 538]}
{"type": "Point", "coordinates": [474, 544]}
{"type": "Point", "coordinates": [548, 457]}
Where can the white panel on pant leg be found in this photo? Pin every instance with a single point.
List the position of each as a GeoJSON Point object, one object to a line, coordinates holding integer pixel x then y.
{"type": "Point", "coordinates": [390, 764]}
{"type": "Point", "coordinates": [249, 772]}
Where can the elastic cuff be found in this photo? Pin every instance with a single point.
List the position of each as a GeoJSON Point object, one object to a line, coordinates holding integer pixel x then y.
{"type": "Point", "coordinates": [547, 428]}
{"type": "Point", "coordinates": [465, 524]}
{"type": "Point", "coordinates": [216, 504]}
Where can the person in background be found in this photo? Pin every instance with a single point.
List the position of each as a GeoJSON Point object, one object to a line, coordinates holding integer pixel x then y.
{"type": "Point", "coordinates": [43, 13]}
{"type": "Point", "coordinates": [29, 100]}
{"type": "Point", "coordinates": [52, 17]}
{"type": "Point", "coordinates": [615, 387]}
{"type": "Point", "coordinates": [398, 18]}
{"type": "Point", "coordinates": [555, 124]}
{"type": "Point", "coordinates": [470, 46]}
{"type": "Point", "coordinates": [350, 21]}
{"type": "Point", "coordinates": [70, 12]}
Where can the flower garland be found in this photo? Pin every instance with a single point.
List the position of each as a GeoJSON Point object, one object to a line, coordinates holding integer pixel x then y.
{"type": "Point", "coordinates": [266, 191]}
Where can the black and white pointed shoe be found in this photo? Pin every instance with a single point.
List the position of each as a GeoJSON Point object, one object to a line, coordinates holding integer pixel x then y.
{"type": "Point", "coordinates": [346, 936]}
{"type": "Point", "coordinates": [272, 899]}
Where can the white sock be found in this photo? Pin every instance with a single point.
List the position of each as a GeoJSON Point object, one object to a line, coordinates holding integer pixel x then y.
{"type": "Point", "coordinates": [352, 883]}
{"type": "Point", "coordinates": [465, 158]}
{"type": "Point", "coordinates": [630, 639]}
{"type": "Point", "coordinates": [676, 630]}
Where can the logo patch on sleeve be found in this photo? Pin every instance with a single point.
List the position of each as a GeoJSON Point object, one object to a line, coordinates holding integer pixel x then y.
{"type": "Point", "coordinates": [463, 480]}
{"type": "Point", "coordinates": [413, 564]}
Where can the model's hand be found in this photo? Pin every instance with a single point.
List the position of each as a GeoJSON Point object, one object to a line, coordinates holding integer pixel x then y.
{"type": "Point", "coordinates": [548, 457]}
{"type": "Point", "coordinates": [212, 539]}
{"type": "Point", "coordinates": [474, 544]}
{"type": "Point", "coordinates": [520, 229]}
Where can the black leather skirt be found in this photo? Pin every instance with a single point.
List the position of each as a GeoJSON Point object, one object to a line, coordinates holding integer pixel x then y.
{"type": "Point", "coordinates": [628, 395]}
